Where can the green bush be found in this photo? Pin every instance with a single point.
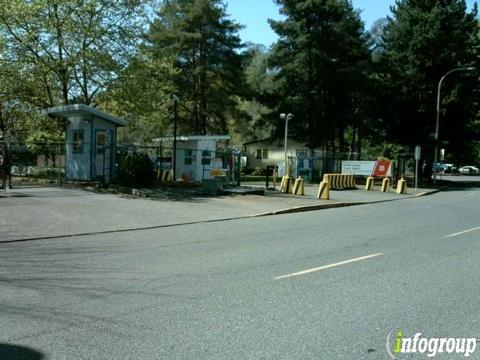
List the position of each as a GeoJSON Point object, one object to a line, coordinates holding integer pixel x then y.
{"type": "Point", "coordinates": [258, 172]}
{"type": "Point", "coordinates": [48, 174]}
{"type": "Point", "coordinates": [135, 170]}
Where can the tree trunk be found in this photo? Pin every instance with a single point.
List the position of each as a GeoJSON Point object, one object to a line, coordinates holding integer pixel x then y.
{"type": "Point", "coordinates": [352, 144]}
{"type": "Point", "coordinates": [359, 144]}
{"type": "Point", "coordinates": [341, 137]}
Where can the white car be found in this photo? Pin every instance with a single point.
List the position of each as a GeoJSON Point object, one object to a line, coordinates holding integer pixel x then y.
{"type": "Point", "coordinates": [468, 170]}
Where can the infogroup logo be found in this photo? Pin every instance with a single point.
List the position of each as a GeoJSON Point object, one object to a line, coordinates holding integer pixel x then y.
{"type": "Point", "coordinates": [398, 343]}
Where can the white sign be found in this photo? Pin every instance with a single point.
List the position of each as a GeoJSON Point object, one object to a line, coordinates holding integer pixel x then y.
{"type": "Point", "coordinates": [363, 168]}
{"type": "Point", "coordinates": [418, 152]}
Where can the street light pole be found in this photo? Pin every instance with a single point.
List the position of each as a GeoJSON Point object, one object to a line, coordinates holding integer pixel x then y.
{"type": "Point", "coordinates": [287, 118]}
{"type": "Point", "coordinates": [175, 115]}
{"type": "Point", "coordinates": [437, 126]}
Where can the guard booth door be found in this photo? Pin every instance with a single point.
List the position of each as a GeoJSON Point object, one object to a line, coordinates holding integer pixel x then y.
{"type": "Point", "coordinates": [103, 155]}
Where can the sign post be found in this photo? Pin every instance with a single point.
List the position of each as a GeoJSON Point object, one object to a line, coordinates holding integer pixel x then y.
{"type": "Point", "coordinates": [418, 155]}
{"type": "Point", "coordinates": [442, 159]}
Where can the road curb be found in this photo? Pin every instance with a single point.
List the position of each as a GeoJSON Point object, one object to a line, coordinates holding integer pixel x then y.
{"type": "Point", "coordinates": [426, 193]}
{"type": "Point", "coordinates": [305, 208]}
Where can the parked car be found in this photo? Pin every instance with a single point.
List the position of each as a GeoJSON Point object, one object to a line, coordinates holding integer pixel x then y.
{"type": "Point", "coordinates": [439, 166]}
{"type": "Point", "coordinates": [470, 170]}
{"type": "Point", "coordinates": [449, 168]}
{"type": "Point", "coordinates": [445, 168]}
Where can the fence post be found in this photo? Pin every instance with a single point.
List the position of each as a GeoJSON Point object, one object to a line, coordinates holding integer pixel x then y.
{"type": "Point", "coordinates": [58, 167]}
{"type": "Point", "coordinates": [3, 160]}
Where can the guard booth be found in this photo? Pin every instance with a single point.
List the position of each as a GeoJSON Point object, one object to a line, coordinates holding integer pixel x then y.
{"type": "Point", "coordinates": [91, 140]}
{"type": "Point", "coordinates": [196, 156]}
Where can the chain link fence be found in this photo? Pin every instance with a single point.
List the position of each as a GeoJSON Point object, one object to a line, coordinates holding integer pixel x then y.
{"type": "Point", "coordinates": [28, 164]}
{"type": "Point", "coordinates": [312, 165]}
{"type": "Point", "coordinates": [187, 165]}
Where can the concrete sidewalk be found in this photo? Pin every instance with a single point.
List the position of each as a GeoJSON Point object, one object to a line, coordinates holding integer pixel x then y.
{"type": "Point", "coordinates": [34, 213]}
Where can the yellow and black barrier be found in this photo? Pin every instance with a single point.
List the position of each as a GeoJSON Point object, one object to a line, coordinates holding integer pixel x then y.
{"type": "Point", "coordinates": [370, 185]}
{"type": "Point", "coordinates": [166, 176]}
{"type": "Point", "coordinates": [402, 186]}
{"type": "Point", "coordinates": [285, 185]}
{"type": "Point", "coordinates": [340, 181]}
{"type": "Point", "coordinates": [323, 192]}
{"type": "Point", "coordinates": [386, 184]}
{"type": "Point", "coordinates": [298, 187]}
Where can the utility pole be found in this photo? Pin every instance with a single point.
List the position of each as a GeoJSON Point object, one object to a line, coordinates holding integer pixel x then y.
{"type": "Point", "coordinates": [437, 124]}
{"type": "Point", "coordinates": [175, 119]}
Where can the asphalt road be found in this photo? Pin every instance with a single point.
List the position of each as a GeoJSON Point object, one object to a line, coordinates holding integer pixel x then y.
{"type": "Point", "coordinates": [329, 284]}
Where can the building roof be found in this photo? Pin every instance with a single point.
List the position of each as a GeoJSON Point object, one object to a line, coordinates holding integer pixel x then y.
{"type": "Point", "coordinates": [194, 137]}
{"type": "Point", "coordinates": [82, 109]}
{"type": "Point", "coordinates": [271, 140]}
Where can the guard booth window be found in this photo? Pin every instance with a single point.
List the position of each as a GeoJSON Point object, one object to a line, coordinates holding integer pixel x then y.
{"type": "Point", "coordinates": [188, 157]}
{"type": "Point", "coordinates": [100, 143]}
{"type": "Point", "coordinates": [262, 154]}
{"type": "Point", "coordinates": [206, 157]}
{"type": "Point", "coordinates": [77, 141]}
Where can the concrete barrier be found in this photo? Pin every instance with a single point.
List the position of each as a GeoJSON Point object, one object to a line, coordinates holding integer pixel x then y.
{"type": "Point", "coordinates": [386, 184]}
{"type": "Point", "coordinates": [323, 193]}
{"type": "Point", "coordinates": [402, 186]}
{"type": "Point", "coordinates": [166, 176]}
{"type": "Point", "coordinates": [340, 181]}
{"type": "Point", "coordinates": [285, 185]}
{"type": "Point", "coordinates": [370, 185]}
{"type": "Point", "coordinates": [298, 187]}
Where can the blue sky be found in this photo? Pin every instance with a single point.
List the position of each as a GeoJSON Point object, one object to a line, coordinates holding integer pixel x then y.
{"type": "Point", "coordinates": [253, 14]}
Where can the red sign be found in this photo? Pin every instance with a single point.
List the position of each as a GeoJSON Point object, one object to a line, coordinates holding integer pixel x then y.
{"type": "Point", "coordinates": [383, 168]}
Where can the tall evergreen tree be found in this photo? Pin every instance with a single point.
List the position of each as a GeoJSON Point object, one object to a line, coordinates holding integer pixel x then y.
{"type": "Point", "coordinates": [254, 121]}
{"type": "Point", "coordinates": [423, 41]}
{"type": "Point", "coordinates": [205, 43]}
{"type": "Point", "coordinates": [322, 59]}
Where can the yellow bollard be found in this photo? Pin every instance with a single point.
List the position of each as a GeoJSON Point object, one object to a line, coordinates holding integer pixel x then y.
{"type": "Point", "coordinates": [298, 188]}
{"type": "Point", "coordinates": [170, 176]}
{"type": "Point", "coordinates": [295, 186]}
{"type": "Point", "coordinates": [274, 179]}
{"type": "Point", "coordinates": [386, 184]}
{"type": "Point", "coordinates": [285, 188]}
{"type": "Point", "coordinates": [370, 186]}
{"type": "Point", "coordinates": [323, 192]}
{"type": "Point", "coordinates": [402, 186]}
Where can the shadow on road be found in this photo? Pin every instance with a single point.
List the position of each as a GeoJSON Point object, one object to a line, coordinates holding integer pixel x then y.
{"type": "Point", "coordinates": [15, 352]}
